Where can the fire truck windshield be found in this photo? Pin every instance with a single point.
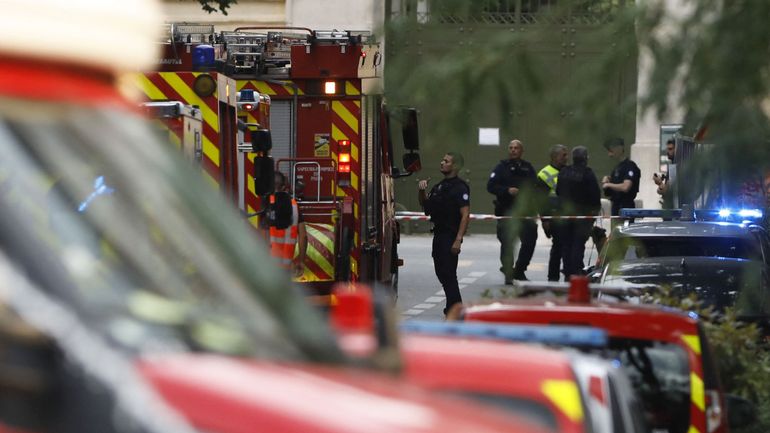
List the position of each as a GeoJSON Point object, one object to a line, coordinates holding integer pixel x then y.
{"type": "Point", "coordinates": [111, 222]}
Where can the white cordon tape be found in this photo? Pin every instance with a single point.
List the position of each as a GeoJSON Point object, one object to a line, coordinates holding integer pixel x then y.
{"type": "Point", "coordinates": [419, 216]}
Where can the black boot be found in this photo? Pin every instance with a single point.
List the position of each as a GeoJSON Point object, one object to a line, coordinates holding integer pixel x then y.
{"type": "Point", "coordinates": [519, 275]}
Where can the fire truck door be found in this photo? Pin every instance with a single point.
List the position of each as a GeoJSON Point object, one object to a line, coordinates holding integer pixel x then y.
{"type": "Point", "coordinates": [314, 140]}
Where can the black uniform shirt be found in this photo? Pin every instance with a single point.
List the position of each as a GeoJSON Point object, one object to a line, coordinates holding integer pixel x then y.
{"type": "Point", "coordinates": [444, 202]}
{"type": "Point", "coordinates": [625, 170]}
{"type": "Point", "coordinates": [578, 191]}
{"type": "Point", "coordinates": [509, 173]}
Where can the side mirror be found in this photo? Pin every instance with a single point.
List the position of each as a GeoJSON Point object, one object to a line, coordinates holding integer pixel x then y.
{"type": "Point", "coordinates": [264, 175]}
{"type": "Point", "coordinates": [261, 140]}
{"type": "Point", "coordinates": [741, 413]}
{"type": "Point", "coordinates": [412, 162]}
{"type": "Point", "coordinates": [410, 131]}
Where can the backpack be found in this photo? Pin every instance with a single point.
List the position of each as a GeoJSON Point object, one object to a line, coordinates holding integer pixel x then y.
{"type": "Point", "coordinates": [280, 214]}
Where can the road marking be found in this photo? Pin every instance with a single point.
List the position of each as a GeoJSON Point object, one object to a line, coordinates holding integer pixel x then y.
{"type": "Point", "coordinates": [424, 306]}
{"type": "Point", "coordinates": [435, 298]}
{"type": "Point", "coordinates": [477, 274]}
{"type": "Point", "coordinates": [412, 312]}
{"type": "Point", "coordinates": [467, 281]}
{"type": "Point", "coordinates": [464, 263]}
{"type": "Point", "coordinates": [440, 292]}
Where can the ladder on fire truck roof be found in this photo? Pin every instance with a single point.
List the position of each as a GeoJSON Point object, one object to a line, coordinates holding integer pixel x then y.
{"type": "Point", "coordinates": [262, 50]}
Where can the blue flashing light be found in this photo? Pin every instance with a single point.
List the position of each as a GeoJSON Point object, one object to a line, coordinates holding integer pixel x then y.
{"type": "Point", "coordinates": [750, 213]}
{"type": "Point", "coordinates": [692, 315]}
{"type": "Point", "coordinates": [559, 335]}
{"type": "Point", "coordinates": [724, 213]}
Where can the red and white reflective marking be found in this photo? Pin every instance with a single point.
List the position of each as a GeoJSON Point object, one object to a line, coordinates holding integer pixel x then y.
{"type": "Point", "coordinates": [419, 216]}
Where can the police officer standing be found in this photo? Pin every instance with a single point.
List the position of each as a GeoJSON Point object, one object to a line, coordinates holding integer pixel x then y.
{"type": "Point", "coordinates": [622, 185]}
{"type": "Point", "coordinates": [448, 205]}
{"type": "Point", "coordinates": [578, 193]}
{"type": "Point", "coordinates": [547, 178]}
{"type": "Point", "coordinates": [510, 182]}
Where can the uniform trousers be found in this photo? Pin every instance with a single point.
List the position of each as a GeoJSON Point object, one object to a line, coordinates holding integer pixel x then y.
{"type": "Point", "coordinates": [445, 265]}
{"type": "Point", "coordinates": [574, 235]}
{"type": "Point", "coordinates": [508, 230]}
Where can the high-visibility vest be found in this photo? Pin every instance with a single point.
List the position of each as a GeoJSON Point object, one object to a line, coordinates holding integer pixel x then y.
{"type": "Point", "coordinates": [549, 175]}
{"type": "Point", "coordinates": [283, 241]}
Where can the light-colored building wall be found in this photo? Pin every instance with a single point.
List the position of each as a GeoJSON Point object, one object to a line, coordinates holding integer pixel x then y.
{"type": "Point", "coordinates": [336, 14]}
{"type": "Point", "coordinates": [243, 13]}
{"type": "Point", "coordinates": [646, 149]}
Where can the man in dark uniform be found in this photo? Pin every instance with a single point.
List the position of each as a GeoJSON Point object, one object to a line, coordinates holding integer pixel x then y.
{"type": "Point", "coordinates": [623, 184]}
{"type": "Point", "coordinates": [448, 205]}
{"type": "Point", "coordinates": [547, 178]}
{"type": "Point", "coordinates": [578, 192]}
{"type": "Point", "coordinates": [512, 183]}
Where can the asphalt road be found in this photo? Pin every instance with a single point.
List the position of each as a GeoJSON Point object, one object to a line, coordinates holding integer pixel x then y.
{"type": "Point", "coordinates": [420, 295]}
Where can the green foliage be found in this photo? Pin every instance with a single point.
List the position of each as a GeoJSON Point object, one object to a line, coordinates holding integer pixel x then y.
{"type": "Point", "coordinates": [218, 5]}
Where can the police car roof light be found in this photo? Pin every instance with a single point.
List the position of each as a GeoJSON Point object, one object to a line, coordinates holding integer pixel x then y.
{"type": "Point", "coordinates": [724, 214]}
{"type": "Point", "coordinates": [545, 334]}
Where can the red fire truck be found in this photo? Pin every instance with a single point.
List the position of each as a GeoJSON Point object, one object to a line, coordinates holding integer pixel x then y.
{"type": "Point", "coordinates": [329, 134]}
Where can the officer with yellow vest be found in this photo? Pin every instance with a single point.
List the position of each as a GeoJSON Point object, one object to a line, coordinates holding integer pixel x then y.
{"type": "Point", "coordinates": [547, 178]}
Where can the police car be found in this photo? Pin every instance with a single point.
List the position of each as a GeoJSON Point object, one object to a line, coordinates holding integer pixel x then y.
{"type": "Point", "coordinates": [721, 256]}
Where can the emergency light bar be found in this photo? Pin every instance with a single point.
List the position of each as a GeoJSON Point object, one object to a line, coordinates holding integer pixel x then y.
{"type": "Point", "coordinates": [549, 334]}
{"type": "Point", "coordinates": [724, 214]}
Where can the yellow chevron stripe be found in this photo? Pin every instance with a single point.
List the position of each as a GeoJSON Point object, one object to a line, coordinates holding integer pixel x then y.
{"type": "Point", "coordinates": [316, 256]}
{"type": "Point", "coordinates": [354, 267]}
{"type": "Point", "coordinates": [697, 392]}
{"type": "Point", "coordinates": [254, 221]}
{"type": "Point", "coordinates": [565, 395]}
{"type": "Point", "coordinates": [693, 429]}
{"type": "Point", "coordinates": [209, 116]}
{"type": "Point", "coordinates": [211, 151]}
{"type": "Point", "coordinates": [149, 89]}
{"type": "Point", "coordinates": [354, 151]}
{"type": "Point", "coordinates": [211, 181]}
{"type": "Point", "coordinates": [290, 90]}
{"type": "Point", "coordinates": [354, 180]}
{"type": "Point", "coordinates": [346, 115]}
{"type": "Point", "coordinates": [693, 342]}
{"type": "Point", "coordinates": [350, 89]}
{"type": "Point", "coordinates": [263, 87]}
{"type": "Point", "coordinates": [173, 80]}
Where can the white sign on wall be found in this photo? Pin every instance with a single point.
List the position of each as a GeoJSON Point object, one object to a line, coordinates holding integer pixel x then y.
{"type": "Point", "coordinates": [489, 136]}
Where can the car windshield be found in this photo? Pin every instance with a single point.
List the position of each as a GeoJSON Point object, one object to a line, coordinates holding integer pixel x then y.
{"type": "Point", "coordinates": [528, 409]}
{"type": "Point", "coordinates": [660, 374]}
{"type": "Point", "coordinates": [637, 247]}
{"type": "Point", "coordinates": [110, 221]}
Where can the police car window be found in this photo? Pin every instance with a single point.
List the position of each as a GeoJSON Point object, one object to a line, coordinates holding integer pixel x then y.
{"type": "Point", "coordinates": [628, 248]}
{"type": "Point", "coordinates": [660, 374]}
{"type": "Point", "coordinates": [121, 228]}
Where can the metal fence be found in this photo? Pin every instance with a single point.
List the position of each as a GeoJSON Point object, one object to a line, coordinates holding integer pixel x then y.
{"type": "Point", "coordinates": [507, 12]}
